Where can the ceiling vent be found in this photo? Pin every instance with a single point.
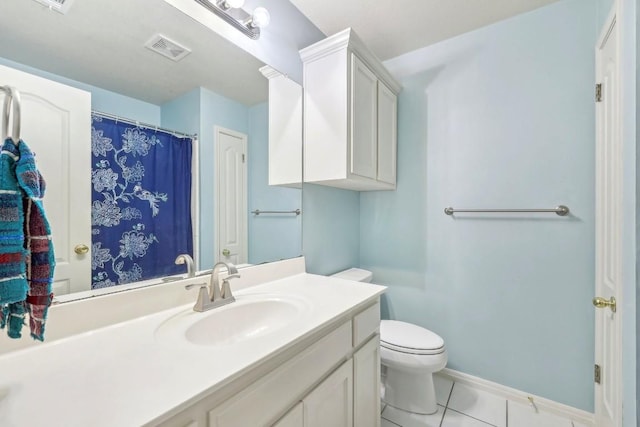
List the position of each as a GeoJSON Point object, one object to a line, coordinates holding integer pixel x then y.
{"type": "Point", "coordinates": [61, 6]}
{"type": "Point", "coordinates": [167, 47]}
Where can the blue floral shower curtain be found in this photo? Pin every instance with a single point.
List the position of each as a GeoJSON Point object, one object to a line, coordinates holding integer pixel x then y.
{"type": "Point", "coordinates": [141, 202]}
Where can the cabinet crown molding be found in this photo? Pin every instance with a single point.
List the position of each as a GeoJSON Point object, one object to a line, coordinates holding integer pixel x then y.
{"type": "Point", "coordinates": [270, 72]}
{"type": "Point", "coordinates": [348, 39]}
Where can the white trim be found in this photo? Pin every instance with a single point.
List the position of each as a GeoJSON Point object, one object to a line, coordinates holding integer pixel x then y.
{"type": "Point", "coordinates": [543, 405]}
{"type": "Point", "coordinates": [195, 200]}
{"type": "Point", "coordinates": [349, 39]}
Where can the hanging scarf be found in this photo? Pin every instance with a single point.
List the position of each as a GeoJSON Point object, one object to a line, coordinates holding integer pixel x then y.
{"type": "Point", "coordinates": [39, 262]}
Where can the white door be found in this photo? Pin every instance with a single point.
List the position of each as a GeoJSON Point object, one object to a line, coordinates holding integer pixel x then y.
{"type": "Point", "coordinates": [608, 351]}
{"type": "Point", "coordinates": [231, 198]}
{"type": "Point", "coordinates": [56, 125]}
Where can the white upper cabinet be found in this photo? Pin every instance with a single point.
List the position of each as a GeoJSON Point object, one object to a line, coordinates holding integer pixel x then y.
{"type": "Point", "coordinates": [350, 116]}
{"type": "Point", "coordinates": [285, 129]}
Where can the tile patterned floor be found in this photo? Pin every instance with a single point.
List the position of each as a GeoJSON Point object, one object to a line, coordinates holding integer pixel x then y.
{"type": "Point", "coordinates": [460, 405]}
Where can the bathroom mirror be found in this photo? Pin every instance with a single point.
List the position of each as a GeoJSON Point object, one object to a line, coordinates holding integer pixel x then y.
{"type": "Point", "coordinates": [217, 87]}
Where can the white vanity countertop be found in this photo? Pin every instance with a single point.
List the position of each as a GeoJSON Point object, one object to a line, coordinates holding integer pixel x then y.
{"type": "Point", "coordinates": [126, 375]}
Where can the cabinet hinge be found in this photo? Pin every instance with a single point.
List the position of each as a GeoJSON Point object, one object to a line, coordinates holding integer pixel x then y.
{"type": "Point", "coordinates": [242, 157]}
{"type": "Point", "coordinates": [596, 374]}
{"type": "Point", "coordinates": [599, 92]}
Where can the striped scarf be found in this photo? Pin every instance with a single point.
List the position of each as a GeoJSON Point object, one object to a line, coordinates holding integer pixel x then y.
{"type": "Point", "coordinates": [30, 289]}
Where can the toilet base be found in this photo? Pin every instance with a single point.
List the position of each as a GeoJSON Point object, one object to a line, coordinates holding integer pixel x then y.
{"type": "Point", "coordinates": [410, 391]}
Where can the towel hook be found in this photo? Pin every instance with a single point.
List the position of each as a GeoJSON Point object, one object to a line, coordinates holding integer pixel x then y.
{"type": "Point", "coordinates": [11, 104]}
{"type": "Point", "coordinates": [6, 110]}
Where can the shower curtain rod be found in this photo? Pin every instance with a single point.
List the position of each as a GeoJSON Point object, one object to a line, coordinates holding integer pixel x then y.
{"type": "Point", "coordinates": [144, 125]}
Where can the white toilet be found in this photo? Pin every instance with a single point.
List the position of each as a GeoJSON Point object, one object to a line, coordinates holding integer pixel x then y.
{"type": "Point", "coordinates": [411, 355]}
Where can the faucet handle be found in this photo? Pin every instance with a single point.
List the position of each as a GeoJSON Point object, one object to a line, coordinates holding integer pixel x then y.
{"type": "Point", "coordinates": [226, 287]}
{"type": "Point", "coordinates": [226, 290]}
{"type": "Point", "coordinates": [203, 296]}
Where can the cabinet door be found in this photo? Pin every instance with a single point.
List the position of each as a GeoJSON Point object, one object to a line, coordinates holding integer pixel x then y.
{"type": "Point", "coordinates": [285, 132]}
{"type": "Point", "coordinates": [387, 134]}
{"type": "Point", "coordinates": [366, 384]}
{"type": "Point", "coordinates": [191, 417]}
{"type": "Point", "coordinates": [364, 117]}
{"type": "Point", "coordinates": [331, 403]}
{"type": "Point", "coordinates": [294, 418]}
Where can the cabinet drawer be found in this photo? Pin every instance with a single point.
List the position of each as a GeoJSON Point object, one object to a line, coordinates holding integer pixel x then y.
{"type": "Point", "coordinates": [366, 324]}
{"type": "Point", "coordinates": [272, 395]}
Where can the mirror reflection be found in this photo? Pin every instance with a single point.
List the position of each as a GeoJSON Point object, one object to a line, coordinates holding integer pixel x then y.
{"type": "Point", "coordinates": [145, 157]}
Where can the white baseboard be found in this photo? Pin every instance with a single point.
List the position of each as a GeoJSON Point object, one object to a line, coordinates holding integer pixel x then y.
{"type": "Point", "coordinates": [542, 404]}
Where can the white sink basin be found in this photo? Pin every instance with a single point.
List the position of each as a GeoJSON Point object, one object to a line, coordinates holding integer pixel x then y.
{"type": "Point", "coordinates": [247, 318]}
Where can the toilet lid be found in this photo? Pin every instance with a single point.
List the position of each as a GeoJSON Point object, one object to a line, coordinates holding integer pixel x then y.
{"type": "Point", "coordinates": [408, 338]}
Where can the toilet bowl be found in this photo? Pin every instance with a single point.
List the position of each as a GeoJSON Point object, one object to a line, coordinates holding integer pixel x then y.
{"type": "Point", "coordinates": [410, 355]}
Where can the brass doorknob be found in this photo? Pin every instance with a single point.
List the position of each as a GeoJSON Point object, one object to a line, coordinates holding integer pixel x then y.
{"type": "Point", "coordinates": [226, 252]}
{"type": "Point", "coordinates": [600, 302]}
{"type": "Point", "coordinates": [81, 249]}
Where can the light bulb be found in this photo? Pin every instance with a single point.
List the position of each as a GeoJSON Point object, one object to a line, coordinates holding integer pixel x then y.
{"type": "Point", "coordinates": [260, 18]}
{"type": "Point", "coordinates": [234, 3]}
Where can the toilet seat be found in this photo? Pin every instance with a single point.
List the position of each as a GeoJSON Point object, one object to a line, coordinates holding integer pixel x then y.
{"type": "Point", "coordinates": [410, 339]}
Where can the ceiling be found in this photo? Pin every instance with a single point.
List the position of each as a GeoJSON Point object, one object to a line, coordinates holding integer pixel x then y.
{"type": "Point", "coordinates": [101, 43]}
{"type": "Point", "coordinates": [393, 27]}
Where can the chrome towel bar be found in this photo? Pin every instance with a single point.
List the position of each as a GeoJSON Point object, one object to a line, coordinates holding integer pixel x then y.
{"type": "Point", "coordinates": [258, 212]}
{"type": "Point", "coordinates": [560, 210]}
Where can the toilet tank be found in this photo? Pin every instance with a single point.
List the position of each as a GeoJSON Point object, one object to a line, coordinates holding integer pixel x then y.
{"type": "Point", "coordinates": [356, 274]}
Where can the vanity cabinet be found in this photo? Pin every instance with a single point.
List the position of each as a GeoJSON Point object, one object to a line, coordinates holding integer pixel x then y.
{"type": "Point", "coordinates": [285, 129]}
{"type": "Point", "coordinates": [332, 380]}
{"type": "Point", "coordinates": [350, 116]}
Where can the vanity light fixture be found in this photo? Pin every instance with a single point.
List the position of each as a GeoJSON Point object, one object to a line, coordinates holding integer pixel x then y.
{"type": "Point", "coordinates": [231, 11]}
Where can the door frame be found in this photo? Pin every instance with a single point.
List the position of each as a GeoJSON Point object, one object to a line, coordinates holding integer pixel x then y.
{"type": "Point", "coordinates": [611, 24]}
{"type": "Point", "coordinates": [244, 217]}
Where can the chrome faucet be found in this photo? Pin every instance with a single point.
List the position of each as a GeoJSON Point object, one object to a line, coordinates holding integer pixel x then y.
{"type": "Point", "coordinates": [186, 259]}
{"type": "Point", "coordinates": [219, 295]}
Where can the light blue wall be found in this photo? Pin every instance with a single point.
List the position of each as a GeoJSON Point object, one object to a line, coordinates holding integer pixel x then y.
{"type": "Point", "coordinates": [215, 110]}
{"type": "Point", "coordinates": [183, 112]}
{"type": "Point", "coordinates": [101, 100]}
{"type": "Point", "coordinates": [603, 8]}
{"type": "Point", "coordinates": [330, 228]}
{"type": "Point", "coordinates": [271, 237]}
{"type": "Point", "coordinates": [500, 117]}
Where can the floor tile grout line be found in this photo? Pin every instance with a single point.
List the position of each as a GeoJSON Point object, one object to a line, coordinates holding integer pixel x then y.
{"type": "Point", "coordinates": [392, 422]}
{"type": "Point", "coordinates": [477, 419]}
{"type": "Point", "coordinates": [446, 405]}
